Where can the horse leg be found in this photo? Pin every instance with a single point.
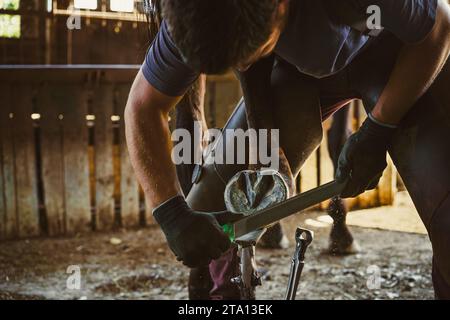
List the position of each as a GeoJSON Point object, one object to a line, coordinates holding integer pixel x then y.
{"type": "Point", "coordinates": [341, 241]}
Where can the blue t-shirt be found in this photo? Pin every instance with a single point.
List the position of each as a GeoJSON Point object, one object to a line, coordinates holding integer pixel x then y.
{"type": "Point", "coordinates": [313, 41]}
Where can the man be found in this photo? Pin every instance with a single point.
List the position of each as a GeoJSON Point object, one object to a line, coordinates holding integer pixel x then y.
{"type": "Point", "coordinates": [298, 62]}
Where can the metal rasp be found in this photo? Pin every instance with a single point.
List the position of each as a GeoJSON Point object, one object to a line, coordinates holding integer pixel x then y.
{"type": "Point", "coordinates": [287, 208]}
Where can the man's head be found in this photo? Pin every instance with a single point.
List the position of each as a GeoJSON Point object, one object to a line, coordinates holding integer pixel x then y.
{"type": "Point", "coordinates": [215, 35]}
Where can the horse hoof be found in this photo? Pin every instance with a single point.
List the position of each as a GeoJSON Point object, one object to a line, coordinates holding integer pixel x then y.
{"type": "Point", "coordinates": [250, 191]}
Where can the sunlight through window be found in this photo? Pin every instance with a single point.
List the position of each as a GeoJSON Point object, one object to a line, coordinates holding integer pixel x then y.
{"type": "Point", "coordinates": [9, 26]}
{"type": "Point", "coordinates": [9, 4]}
{"type": "Point", "coordinates": [122, 5]}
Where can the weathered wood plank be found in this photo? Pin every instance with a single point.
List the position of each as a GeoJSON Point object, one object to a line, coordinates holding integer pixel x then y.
{"type": "Point", "coordinates": [25, 161]}
{"type": "Point", "coordinates": [49, 106]}
{"type": "Point", "coordinates": [326, 165]}
{"type": "Point", "coordinates": [356, 109]}
{"type": "Point", "coordinates": [2, 193]}
{"type": "Point", "coordinates": [226, 97]}
{"type": "Point", "coordinates": [148, 218]}
{"type": "Point", "coordinates": [384, 193]}
{"type": "Point", "coordinates": [388, 185]}
{"type": "Point", "coordinates": [76, 162]}
{"type": "Point", "coordinates": [129, 187]}
{"type": "Point", "coordinates": [103, 105]}
{"type": "Point", "coordinates": [368, 199]}
{"type": "Point", "coordinates": [8, 168]}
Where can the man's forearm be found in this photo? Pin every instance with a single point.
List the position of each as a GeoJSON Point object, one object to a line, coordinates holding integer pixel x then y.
{"type": "Point", "coordinates": [149, 146]}
{"type": "Point", "coordinates": [416, 69]}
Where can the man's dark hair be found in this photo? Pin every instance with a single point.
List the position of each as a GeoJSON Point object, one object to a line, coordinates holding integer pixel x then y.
{"type": "Point", "coordinates": [214, 35]}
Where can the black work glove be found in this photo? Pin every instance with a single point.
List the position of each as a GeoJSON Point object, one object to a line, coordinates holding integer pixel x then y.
{"type": "Point", "coordinates": [363, 158]}
{"type": "Point", "coordinates": [195, 238]}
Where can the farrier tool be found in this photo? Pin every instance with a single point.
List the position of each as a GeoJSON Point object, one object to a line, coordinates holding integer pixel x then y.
{"type": "Point", "coordinates": [303, 239]}
{"type": "Point", "coordinates": [282, 210]}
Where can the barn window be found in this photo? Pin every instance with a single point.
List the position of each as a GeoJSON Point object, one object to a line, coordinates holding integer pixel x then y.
{"type": "Point", "coordinates": [122, 5]}
{"type": "Point", "coordinates": [9, 26]}
{"type": "Point", "coordinates": [9, 4]}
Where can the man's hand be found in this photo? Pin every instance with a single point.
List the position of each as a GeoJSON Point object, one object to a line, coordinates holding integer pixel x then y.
{"type": "Point", "coordinates": [363, 158]}
{"type": "Point", "coordinates": [195, 238]}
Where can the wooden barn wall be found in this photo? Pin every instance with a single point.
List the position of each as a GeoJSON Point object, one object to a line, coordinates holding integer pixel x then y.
{"type": "Point", "coordinates": [64, 165]}
{"type": "Point", "coordinates": [61, 138]}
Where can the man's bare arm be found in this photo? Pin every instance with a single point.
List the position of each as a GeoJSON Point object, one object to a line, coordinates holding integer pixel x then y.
{"type": "Point", "coordinates": [150, 147]}
{"type": "Point", "coordinates": [148, 140]}
{"type": "Point", "coordinates": [417, 67]}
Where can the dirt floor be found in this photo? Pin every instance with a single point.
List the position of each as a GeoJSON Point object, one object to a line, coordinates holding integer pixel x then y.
{"type": "Point", "coordinates": [138, 265]}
